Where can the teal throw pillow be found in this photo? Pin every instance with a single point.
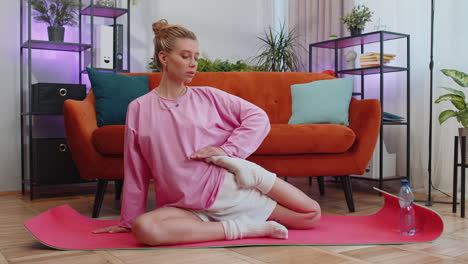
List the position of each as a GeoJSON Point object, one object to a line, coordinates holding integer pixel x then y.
{"type": "Point", "coordinates": [322, 102]}
{"type": "Point", "coordinates": [113, 93]}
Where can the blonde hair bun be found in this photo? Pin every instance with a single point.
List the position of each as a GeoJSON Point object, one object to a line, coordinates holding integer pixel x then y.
{"type": "Point", "coordinates": [159, 26]}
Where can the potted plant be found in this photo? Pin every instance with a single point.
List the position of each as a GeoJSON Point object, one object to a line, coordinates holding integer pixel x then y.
{"type": "Point", "coordinates": [277, 52]}
{"type": "Point", "coordinates": [457, 98]}
{"type": "Point", "coordinates": [57, 14]}
{"type": "Point", "coordinates": [357, 19]}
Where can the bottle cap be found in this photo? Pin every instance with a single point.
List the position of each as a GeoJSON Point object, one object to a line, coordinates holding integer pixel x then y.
{"type": "Point", "coordinates": [404, 182]}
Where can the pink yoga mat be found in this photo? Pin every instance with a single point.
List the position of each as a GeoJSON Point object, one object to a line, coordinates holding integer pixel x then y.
{"type": "Point", "coordinates": [64, 228]}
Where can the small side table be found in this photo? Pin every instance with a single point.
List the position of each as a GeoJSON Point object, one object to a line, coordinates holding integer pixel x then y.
{"type": "Point", "coordinates": [463, 166]}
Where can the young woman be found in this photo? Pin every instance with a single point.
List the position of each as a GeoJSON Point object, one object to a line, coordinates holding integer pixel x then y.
{"type": "Point", "coordinates": [193, 141]}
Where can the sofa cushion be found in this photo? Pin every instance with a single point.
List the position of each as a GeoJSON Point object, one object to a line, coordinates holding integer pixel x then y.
{"type": "Point", "coordinates": [323, 102]}
{"type": "Point", "coordinates": [113, 93]}
{"type": "Point", "coordinates": [283, 139]}
{"type": "Point", "coordinates": [306, 139]}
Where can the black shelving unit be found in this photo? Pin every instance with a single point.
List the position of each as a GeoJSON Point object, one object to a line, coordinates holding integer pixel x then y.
{"type": "Point", "coordinates": [362, 40]}
{"type": "Point", "coordinates": [46, 161]}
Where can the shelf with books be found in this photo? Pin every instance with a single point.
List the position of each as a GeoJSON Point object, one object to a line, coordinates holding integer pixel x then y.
{"type": "Point", "coordinates": [374, 59]}
{"type": "Point", "coordinates": [363, 39]}
{"type": "Point", "coordinates": [370, 56]}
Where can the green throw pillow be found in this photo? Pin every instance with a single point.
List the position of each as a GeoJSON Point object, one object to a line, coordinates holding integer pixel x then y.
{"type": "Point", "coordinates": [322, 102]}
{"type": "Point", "coordinates": [113, 93]}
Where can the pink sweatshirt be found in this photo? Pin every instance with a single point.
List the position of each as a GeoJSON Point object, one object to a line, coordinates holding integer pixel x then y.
{"type": "Point", "coordinates": [161, 133]}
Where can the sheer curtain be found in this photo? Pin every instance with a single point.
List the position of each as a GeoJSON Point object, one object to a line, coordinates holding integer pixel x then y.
{"type": "Point", "coordinates": [315, 21]}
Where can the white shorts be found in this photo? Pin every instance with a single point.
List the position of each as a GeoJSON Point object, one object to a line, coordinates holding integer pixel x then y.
{"type": "Point", "coordinates": [234, 202]}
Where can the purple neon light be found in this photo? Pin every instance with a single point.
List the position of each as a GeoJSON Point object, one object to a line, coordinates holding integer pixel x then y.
{"type": "Point", "coordinates": [104, 11]}
{"type": "Point", "coordinates": [355, 41]}
{"type": "Point", "coordinates": [372, 70]}
{"type": "Point", "coordinates": [62, 46]}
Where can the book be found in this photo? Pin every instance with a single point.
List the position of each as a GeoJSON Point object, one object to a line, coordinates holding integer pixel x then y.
{"type": "Point", "coordinates": [392, 117]}
{"type": "Point", "coordinates": [370, 65]}
{"type": "Point", "coordinates": [373, 59]}
{"type": "Point", "coordinates": [377, 55]}
{"type": "Point", "coordinates": [372, 62]}
{"type": "Point", "coordinates": [385, 60]}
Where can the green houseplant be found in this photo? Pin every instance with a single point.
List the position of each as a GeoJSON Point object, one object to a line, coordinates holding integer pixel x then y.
{"type": "Point", "coordinates": [277, 52]}
{"type": "Point", "coordinates": [217, 65]}
{"type": "Point", "coordinates": [456, 97]}
{"type": "Point", "coordinates": [57, 14]}
{"type": "Point", "coordinates": [356, 20]}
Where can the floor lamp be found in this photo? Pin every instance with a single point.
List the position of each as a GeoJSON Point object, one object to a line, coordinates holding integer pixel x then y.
{"type": "Point", "coordinates": [429, 201]}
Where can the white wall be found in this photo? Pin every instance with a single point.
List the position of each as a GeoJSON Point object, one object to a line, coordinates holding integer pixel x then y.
{"type": "Point", "coordinates": [10, 172]}
{"type": "Point", "coordinates": [413, 17]}
{"type": "Point", "coordinates": [225, 29]}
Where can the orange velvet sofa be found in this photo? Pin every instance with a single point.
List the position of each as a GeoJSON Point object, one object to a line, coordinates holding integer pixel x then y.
{"type": "Point", "coordinates": [288, 150]}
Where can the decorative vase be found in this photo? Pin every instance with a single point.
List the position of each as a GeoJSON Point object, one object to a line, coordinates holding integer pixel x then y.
{"type": "Point", "coordinates": [56, 34]}
{"type": "Point", "coordinates": [355, 31]}
{"type": "Point", "coordinates": [463, 132]}
{"type": "Point", "coordinates": [350, 58]}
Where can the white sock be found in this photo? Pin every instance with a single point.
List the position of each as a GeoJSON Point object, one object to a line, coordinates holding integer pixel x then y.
{"type": "Point", "coordinates": [248, 174]}
{"type": "Point", "coordinates": [238, 229]}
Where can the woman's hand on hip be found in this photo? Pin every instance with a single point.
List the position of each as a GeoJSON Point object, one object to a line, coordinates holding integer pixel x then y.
{"type": "Point", "coordinates": [112, 229]}
{"type": "Point", "coordinates": [207, 152]}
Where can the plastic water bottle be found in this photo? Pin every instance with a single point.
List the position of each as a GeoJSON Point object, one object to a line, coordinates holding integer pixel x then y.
{"type": "Point", "coordinates": [407, 216]}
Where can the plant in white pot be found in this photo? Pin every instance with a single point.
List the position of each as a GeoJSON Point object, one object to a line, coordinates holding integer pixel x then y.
{"type": "Point", "coordinates": [57, 14]}
{"type": "Point", "coordinates": [457, 98]}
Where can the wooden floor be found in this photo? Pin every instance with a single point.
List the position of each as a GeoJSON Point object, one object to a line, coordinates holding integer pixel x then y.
{"type": "Point", "coordinates": [18, 246]}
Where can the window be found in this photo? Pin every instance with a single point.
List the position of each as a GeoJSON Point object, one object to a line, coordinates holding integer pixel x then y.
{"type": "Point", "coordinates": [279, 13]}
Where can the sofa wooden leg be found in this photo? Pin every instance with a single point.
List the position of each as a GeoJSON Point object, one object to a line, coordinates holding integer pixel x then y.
{"type": "Point", "coordinates": [346, 180]}
{"type": "Point", "coordinates": [101, 189]}
{"type": "Point", "coordinates": [118, 189]}
{"type": "Point", "coordinates": [321, 184]}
